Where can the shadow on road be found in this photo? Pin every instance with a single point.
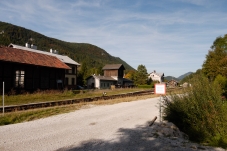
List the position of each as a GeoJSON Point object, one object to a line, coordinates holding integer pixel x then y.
{"type": "Point", "coordinates": [141, 138]}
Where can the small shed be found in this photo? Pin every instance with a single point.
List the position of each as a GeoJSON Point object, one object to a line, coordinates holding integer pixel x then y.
{"type": "Point", "coordinates": [172, 83]}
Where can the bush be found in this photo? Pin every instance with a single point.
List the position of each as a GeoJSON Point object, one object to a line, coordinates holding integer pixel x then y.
{"type": "Point", "coordinates": [200, 112]}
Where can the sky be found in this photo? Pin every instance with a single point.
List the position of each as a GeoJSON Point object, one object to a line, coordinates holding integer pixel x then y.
{"type": "Point", "coordinates": [169, 36]}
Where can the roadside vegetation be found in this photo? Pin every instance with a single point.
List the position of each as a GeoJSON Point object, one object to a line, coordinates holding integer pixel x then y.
{"type": "Point", "coordinates": [201, 111]}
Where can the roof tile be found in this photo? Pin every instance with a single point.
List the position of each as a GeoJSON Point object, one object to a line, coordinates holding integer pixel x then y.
{"type": "Point", "coordinates": [27, 57]}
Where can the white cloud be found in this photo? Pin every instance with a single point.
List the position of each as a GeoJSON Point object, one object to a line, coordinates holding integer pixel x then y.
{"type": "Point", "coordinates": [168, 36]}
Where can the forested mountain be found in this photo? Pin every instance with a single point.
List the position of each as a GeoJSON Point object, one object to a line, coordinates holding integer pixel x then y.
{"type": "Point", "coordinates": [168, 78]}
{"type": "Point", "coordinates": [94, 57]}
{"type": "Point", "coordinates": [184, 75]}
{"type": "Point", "coordinates": [179, 78]}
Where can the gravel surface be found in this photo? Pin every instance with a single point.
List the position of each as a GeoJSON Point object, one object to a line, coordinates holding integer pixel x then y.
{"type": "Point", "coordinates": [122, 127]}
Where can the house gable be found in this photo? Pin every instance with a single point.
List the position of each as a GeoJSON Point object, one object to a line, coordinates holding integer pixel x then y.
{"type": "Point", "coordinates": [114, 70]}
{"type": "Point", "coordinates": [156, 76]}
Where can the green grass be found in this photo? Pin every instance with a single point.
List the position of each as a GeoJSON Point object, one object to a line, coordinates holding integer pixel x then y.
{"type": "Point", "coordinates": [146, 86]}
{"type": "Point", "coordinates": [53, 95]}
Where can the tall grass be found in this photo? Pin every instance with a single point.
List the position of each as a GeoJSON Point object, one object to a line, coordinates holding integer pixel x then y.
{"type": "Point", "coordinates": [200, 112]}
{"type": "Point", "coordinates": [55, 95]}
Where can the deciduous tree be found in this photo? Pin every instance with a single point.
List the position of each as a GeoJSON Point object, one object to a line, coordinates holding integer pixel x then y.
{"type": "Point", "coordinates": [141, 75]}
{"type": "Point", "coordinates": [216, 59]}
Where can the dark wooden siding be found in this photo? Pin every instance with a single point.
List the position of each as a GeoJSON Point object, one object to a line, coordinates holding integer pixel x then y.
{"type": "Point", "coordinates": [118, 73]}
{"type": "Point", "coordinates": [35, 77]}
{"type": "Point", "coordinates": [109, 73]}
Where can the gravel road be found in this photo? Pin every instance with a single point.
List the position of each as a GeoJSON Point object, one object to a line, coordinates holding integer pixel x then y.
{"type": "Point", "coordinates": [122, 127]}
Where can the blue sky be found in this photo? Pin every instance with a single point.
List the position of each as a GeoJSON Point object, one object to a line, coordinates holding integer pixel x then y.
{"type": "Point", "coordinates": [169, 36]}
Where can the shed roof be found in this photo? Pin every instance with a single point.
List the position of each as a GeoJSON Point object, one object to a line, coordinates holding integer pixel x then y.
{"type": "Point", "coordinates": [32, 58]}
{"type": "Point", "coordinates": [113, 66]}
{"type": "Point", "coordinates": [106, 78]}
{"type": "Point", "coordinates": [63, 58]}
{"type": "Point", "coordinates": [158, 74]}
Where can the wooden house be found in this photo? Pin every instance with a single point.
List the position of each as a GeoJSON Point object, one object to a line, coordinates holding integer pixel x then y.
{"type": "Point", "coordinates": [27, 70]}
{"type": "Point", "coordinates": [70, 80]}
{"type": "Point", "coordinates": [113, 75]}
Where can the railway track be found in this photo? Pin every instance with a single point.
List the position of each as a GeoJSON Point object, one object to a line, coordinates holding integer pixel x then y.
{"type": "Point", "coordinates": [14, 108]}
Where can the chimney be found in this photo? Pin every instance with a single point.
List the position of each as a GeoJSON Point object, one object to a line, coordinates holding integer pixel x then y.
{"type": "Point", "coordinates": [55, 51]}
{"type": "Point", "coordinates": [33, 46]}
{"type": "Point", "coordinates": [27, 45]}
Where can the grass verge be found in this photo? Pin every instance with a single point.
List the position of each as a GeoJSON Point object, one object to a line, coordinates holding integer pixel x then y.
{"type": "Point", "coordinates": [53, 95]}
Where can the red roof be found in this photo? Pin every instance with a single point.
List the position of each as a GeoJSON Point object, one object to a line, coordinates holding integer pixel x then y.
{"type": "Point", "coordinates": [27, 57]}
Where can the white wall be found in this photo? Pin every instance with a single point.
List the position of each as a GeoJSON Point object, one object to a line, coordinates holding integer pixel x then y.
{"type": "Point", "coordinates": [154, 77]}
{"type": "Point", "coordinates": [97, 83]}
{"type": "Point", "coordinates": [70, 79]}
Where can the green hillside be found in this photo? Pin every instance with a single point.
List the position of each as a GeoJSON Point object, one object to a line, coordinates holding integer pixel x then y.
{"type": "Point", "coordinates": [83, 53]}
{"type": "Point", "coordinates": [168, 78]}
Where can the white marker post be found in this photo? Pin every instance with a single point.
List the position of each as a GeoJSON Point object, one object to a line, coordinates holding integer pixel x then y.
{"type": "Point", "coordinates": [3, 110]}
{"type": "Point", "coordinates": [160, 89]}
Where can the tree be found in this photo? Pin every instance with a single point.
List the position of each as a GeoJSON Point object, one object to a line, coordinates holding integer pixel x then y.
{"type": "Point", "coordinates": [222, 81]}
{"type": "Point", "coordinates": [83, 72]}
{"type": "Point", "coordinates": [149, 81]}
{"type": "Point", "coordinates": [216, 59]}
{"type": "Point", "coordinates": [141, 75]}
{"type": "Point", "coordinates": [130, 75]}
{"type": "Point", "coordinates": [220, 42]}
{"type": "Point", "coordinates": [100, 71]}
{"type": "Point", "coordinates": [189, 77]}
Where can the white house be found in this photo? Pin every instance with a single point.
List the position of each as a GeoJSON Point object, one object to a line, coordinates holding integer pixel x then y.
{"type": "Point", "coordinates": [100, 82]}
{"type": "Point", "coordinates": [156, 76]}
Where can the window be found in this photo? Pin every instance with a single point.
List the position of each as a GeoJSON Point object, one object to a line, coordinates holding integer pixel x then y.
{"type": "Point", "coordinates": [19, 78]}
{"type": "Point", "coordinates": [73, 79]}
{"type": "Point", "coordinates": [73, 70]}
